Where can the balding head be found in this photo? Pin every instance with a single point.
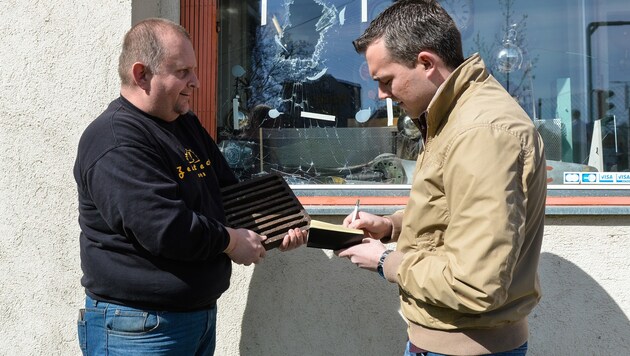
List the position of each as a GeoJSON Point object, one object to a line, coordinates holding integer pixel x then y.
{"type": "Point", "coordinates": [143, 43]}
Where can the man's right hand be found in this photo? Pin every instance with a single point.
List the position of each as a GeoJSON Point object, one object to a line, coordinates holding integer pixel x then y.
{"type": "Point", "coordinates": [374, 226]}
{"type": "Point", "coordinates": [245, 246]}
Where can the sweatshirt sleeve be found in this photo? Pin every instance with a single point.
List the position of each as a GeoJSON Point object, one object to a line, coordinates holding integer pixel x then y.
{"type": "Point", "coordinates": [137, 198]}
{"type": "Point", "coordinates": [486, 205]}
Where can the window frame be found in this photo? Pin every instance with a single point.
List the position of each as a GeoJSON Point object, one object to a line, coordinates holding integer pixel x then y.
{"type": "Point", "coordinates": [200, 19]}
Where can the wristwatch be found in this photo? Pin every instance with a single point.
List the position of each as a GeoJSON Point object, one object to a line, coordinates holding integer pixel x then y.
{"type": "Point", "coordinates": [379, 267]}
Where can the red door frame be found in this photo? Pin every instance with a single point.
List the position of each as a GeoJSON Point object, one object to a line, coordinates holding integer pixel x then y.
{"type": "Point", "coordinates": [199, 17]}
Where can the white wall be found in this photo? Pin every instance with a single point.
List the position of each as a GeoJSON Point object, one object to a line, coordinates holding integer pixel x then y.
{"type": "Point", "coordinates": [58, 72]}
{"type": "Point", "coordinates": [304, 300]}
{"type": "Point", "coordinates": [585, 276]}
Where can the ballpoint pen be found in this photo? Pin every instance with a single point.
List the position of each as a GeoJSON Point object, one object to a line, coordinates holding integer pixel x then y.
{"type": "Point", "coordinates": [355, 213]}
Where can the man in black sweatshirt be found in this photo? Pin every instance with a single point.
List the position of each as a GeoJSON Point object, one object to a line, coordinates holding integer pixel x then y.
{"type": "Point", "coordinates": [155, 252]}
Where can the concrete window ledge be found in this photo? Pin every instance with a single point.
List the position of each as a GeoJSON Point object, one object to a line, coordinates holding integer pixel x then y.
{"type": "Point", "coordinates": [326, 200]}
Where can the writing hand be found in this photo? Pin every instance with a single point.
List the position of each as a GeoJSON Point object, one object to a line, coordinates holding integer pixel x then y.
{"type": "Point", "coordinates": [374, 226]}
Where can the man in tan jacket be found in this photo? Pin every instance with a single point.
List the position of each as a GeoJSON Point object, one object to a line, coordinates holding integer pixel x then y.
{"type": "Point", "coordinates": [468, 241]}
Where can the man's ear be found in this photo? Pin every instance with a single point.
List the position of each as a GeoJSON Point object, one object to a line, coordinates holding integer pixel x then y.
{"type": "Point", "coordinates": [426, 60]}
{"type": "Point", "coordinates": [433, 66]}
{"type": "Point", "coordinates": [141, 75]}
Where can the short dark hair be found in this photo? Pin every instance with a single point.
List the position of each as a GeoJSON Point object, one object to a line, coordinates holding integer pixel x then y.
{"type": "Point", "coordinates": [409, 27]}
{"type": "Point", "coordinates": [143, 43]}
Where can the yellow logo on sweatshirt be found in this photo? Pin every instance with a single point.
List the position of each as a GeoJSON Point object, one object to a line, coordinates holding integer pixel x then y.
{"type": "Point", "coordinates": [194, 166]}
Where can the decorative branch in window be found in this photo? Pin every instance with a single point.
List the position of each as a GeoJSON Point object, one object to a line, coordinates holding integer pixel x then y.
{"type": "Point", "coordinates": [508, 59]}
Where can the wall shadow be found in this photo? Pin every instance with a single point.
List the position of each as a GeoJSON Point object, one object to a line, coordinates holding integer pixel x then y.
{"type": "Point", "coordinates": [304, 302]}
{"type": "Point", "coordinates": [576, 315]}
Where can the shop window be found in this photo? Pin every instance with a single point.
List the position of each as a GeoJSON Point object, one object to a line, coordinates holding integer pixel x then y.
{"type": "Point", "coordinates": [294, 97]}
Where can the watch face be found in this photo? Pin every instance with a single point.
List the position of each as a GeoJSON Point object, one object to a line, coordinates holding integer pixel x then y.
{"type": "Point", "coordinates": [462, 13]}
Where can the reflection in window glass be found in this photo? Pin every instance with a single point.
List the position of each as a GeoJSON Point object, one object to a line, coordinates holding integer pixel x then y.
{"type": "Point", "coordinates": [295, 98]}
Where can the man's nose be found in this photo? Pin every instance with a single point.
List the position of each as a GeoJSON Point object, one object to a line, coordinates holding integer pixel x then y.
{"type": "Point", "coordinates": [382, 94]}
{"type": "Point", "coordinates": [194, 82]}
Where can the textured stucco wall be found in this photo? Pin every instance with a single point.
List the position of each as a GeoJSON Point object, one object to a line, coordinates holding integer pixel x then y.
{"type": "Point", "coordinates": [58, 64]}
{"type": "Point", "coordinates": [585, 276]}
{"type": "Point", "coordinates": [58, 71]}
{"type": "Point", "coordinates": [309, 300]}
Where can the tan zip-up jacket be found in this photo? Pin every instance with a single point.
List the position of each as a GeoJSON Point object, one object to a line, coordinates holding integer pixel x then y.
{"type": "Point", "coordinates": [469, 239]}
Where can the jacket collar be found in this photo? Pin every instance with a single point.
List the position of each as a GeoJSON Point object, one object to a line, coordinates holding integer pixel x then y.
{"type": "Point", "coordinates": [448, 94]}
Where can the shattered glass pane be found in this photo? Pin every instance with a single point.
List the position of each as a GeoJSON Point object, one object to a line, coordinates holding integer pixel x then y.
{"type": "Point", "coordinates": [306, 105]}
{"type": "Point", "coordinates": [294, 97]}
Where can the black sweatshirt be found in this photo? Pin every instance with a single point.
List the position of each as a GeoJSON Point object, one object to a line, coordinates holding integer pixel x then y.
{"type": "Point", "coordinates": [150, 213]}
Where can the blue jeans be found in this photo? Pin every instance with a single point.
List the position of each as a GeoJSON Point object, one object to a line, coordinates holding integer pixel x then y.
{"type": "Point", "coordinates": [111, 329]}
{"type": "Point", "coordinates": [519, 351]}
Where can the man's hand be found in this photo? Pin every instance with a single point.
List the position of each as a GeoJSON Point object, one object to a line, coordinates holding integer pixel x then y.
{"type": "Point", "coordinates": [374, 226]}
{"type": "Point", "coordinates": [245, 246]}
{"type": "Point", "coordinates": [293, 239]}
{"type": "Point", "coordinates": [364, 255]}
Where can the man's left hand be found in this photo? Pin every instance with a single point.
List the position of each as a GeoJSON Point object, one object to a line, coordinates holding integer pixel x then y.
{"type": "Point", "coordinates": [364, 255]}
{"type": "Point", "coordinates": [293, 239]}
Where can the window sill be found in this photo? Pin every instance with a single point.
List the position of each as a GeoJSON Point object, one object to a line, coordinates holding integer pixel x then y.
{"type": "Point", "coordinates": [383, 199]}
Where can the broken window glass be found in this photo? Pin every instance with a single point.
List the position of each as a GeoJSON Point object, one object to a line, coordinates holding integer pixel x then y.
{"type": "Point", "coordinates": [297, 99]}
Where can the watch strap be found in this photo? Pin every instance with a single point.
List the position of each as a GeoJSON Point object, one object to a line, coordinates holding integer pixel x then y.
{"type": "Point", "coordinates": [381, 261]}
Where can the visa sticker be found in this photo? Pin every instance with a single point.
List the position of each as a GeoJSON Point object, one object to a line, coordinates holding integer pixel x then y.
{"type": "Point", "coordinates": [606, 177]}
{"type": "Point", "coordinates": [623, 178]}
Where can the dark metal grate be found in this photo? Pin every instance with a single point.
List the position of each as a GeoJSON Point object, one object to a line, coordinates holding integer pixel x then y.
{"type": "Point", "coordinates": [265, 205]}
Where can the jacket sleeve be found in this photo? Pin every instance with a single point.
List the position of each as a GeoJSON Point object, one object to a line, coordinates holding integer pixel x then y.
{"type": "Point", "coordinates": [396, 220]}
{"type": "Point", "coordinates": [137, 198]}
{"type": "Point", "coordinates": [486, 208]}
